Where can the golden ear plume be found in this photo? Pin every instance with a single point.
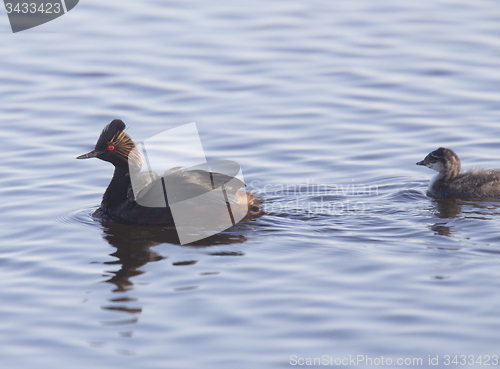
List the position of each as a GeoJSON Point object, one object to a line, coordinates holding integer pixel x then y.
{"type": "Point", "coordinates": [124, 148]}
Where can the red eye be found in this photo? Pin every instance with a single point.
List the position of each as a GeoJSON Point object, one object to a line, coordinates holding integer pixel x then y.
{"type": "Point", "coordinates": [111, 147]}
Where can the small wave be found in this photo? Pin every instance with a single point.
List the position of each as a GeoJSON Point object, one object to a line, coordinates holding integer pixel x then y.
{"type": "Point", "coordinates": [77, 216]}
{"type": "Point", "coordinates": [407, 194]}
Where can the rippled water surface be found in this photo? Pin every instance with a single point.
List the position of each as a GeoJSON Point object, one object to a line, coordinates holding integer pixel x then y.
{"type": "Point", "coordinates": [327, 106]}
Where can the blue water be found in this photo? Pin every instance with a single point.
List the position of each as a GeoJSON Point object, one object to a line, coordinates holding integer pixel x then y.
{"type": "Point", "coordinates": [327, 106]}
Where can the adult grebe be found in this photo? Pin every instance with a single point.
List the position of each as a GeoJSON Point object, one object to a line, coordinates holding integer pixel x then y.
{"type": "Point", "coordinates": [119, 203]}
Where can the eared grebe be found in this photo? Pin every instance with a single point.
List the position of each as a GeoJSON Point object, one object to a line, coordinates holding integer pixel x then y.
{"type": "Point", "coordinates": [118, 202]}
{"type": "Point", "coordinates": [450, 183]}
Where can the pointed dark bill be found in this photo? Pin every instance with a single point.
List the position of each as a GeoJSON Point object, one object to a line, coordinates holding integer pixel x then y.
{"type": "Point", "coordinates": [91, 154]}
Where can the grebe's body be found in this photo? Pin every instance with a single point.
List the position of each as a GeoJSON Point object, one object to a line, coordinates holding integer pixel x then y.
{"type": "Point", "coordinates": [451, 183]}
{"type": "Point", "coordinates": [119, 203]}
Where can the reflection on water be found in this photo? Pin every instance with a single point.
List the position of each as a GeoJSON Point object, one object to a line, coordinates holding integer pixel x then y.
{"type": "Point", "coordinates": [133, 250]}
{"type": "Point", "coordinates": [483, 209]}
{"type": "Point", "coordinates": [133, 245]}
{"type": "Point", "coordinates": [447, 208]}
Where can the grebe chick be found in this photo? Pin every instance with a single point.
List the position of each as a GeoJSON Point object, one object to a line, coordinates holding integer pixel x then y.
{"type": "Point", "coordinates": [450, 183]}
{"type": "Point", "coordinates": [118, 202]}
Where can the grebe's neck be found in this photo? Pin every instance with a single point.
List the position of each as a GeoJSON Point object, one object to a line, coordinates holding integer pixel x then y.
{"type": "Point", "coordinates": [451, 170]}
{"type": "Point", "coordinates": [435, 179]}
{"type": "Point", "coordinates": [117, 189]}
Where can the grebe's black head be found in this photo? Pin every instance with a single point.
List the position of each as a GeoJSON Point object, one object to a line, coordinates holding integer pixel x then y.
{"type": "Point", "coordinates": [444, 161]}
{"type": "Point", "coordinates": [113, 145]}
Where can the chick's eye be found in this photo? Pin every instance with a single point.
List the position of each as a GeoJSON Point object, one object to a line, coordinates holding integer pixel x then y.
{"type": "Point", "coordinates": [111, 147]}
